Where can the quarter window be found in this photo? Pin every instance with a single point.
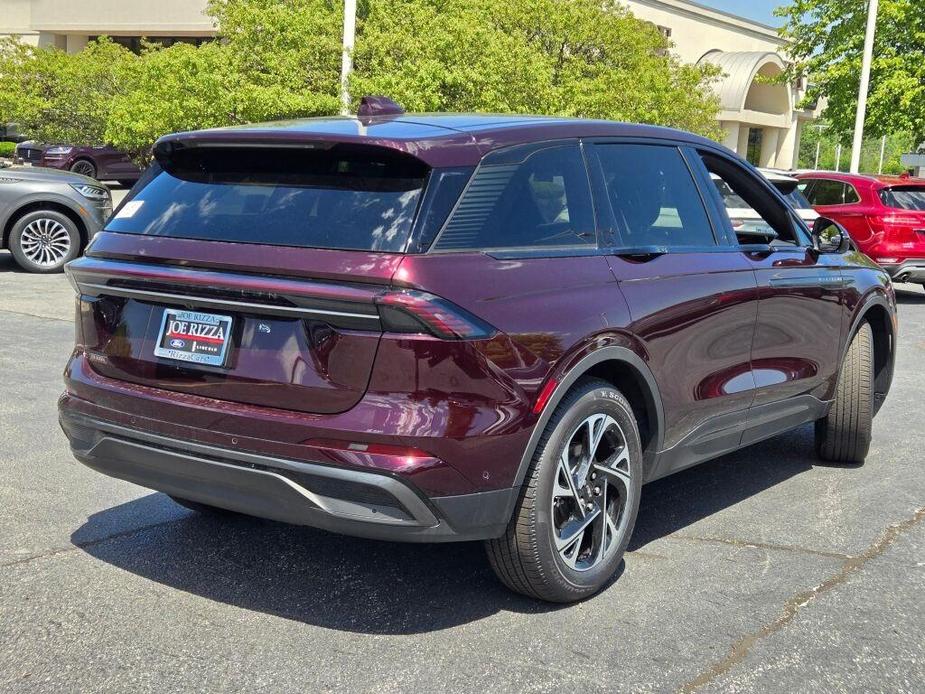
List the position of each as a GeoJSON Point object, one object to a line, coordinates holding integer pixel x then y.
{"type": "Point", "coordinates": [653, 196]}
{"type": "Point", "coordinates": [542, 202]}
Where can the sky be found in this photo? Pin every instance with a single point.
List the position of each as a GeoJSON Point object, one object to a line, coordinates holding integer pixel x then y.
{"type": "Point", "coordinates": [759, 10]}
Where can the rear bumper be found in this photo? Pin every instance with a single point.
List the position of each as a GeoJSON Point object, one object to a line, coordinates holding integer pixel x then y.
{"type": "Point", "coordinates": [352, 502]}
{"type": "Point", "coordinates": [912, 270]}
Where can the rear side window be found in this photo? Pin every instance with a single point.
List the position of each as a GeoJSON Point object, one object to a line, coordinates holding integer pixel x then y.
{"type": "Point", "coordinates": [343, 197]}
{"type": "Point", "coordinates": [904, 197]}
{"type": "Point", "coordinates": [653, 196]}
{"type": "Point", "coordinates": [827, 192]}
{"type": "Point", "coordinates": [543, 201]}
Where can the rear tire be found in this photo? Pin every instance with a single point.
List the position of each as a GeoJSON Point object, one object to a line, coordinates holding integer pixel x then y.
{"type": "Point", "coordinates": [843, 436]}
{"type": "Point", "coordinates": [576, 511]}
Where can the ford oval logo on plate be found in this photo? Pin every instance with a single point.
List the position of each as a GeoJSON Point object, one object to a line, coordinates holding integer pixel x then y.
{"type": "Point", "coordinates": [177, 344]}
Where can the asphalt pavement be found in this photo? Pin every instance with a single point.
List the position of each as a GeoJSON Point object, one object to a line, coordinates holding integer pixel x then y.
{"type": "Point", "coordinates": [762, 571]}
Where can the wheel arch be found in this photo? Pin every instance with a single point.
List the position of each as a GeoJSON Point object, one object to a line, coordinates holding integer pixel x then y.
{"type": "Point", "coordinates": [629, 374]}
{"type": "Point", "coordinates": [34, 205]}
{"type": "Point", "coordinates": [877, 311]}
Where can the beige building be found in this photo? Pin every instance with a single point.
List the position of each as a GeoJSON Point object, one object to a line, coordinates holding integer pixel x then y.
{"type": "Point", "coordinates": [760, 118]}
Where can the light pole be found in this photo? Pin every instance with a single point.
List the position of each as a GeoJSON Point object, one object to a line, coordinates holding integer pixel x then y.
{"type": "Point", "coordinates": [862, 90]}
{"type": "Point", "coordinates": [346, 61]}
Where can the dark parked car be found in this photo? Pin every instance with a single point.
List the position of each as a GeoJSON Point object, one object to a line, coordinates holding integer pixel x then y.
{"type": "Point", "coordinates": [9, 132]}
{"type": "Point", "coordinates": [47, 217]}
{"type": "Point", "coordinates": [101, 163]}
{"type": "Point", "coordinates": [461, 327]}
{"type": "Point", "coordinates": [884, 215]}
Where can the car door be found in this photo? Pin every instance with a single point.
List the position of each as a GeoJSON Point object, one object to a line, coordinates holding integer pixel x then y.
{"type": "Point", "coordinates": [692, 298]}
{"type": "Point", "coordinates": [795, 352]}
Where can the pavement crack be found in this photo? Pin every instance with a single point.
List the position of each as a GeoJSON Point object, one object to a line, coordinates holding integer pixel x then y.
{"type": "Point", "coordinates": [84, 545]}
{"type": "Point", "coordinates": [762, 545]}
{"type": "Point", "coordinates": [36, 315]}
{"type": "Point", "coordinates": [851, 565]}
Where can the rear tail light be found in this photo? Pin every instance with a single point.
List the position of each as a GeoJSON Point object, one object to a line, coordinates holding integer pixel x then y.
{"type": "Point", "coordinates": [893, 222]}
{"type": "Point", "coordinates": [408, 311]}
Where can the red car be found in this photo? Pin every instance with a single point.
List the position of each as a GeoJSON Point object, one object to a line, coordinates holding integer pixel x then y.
{"type": "Point", "coordinates": [884, 215]}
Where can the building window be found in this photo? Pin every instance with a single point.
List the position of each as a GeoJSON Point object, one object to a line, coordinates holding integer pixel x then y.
{"type": "Point", "coordinates": [133, 43]}
{"type": "Point", "coordinates": [753, 153]}
{"type": "Point", "coordinates": [664, 31]}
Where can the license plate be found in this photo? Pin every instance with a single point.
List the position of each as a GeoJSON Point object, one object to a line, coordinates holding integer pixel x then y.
{"type": "Point", "coordinates": [201, 338]}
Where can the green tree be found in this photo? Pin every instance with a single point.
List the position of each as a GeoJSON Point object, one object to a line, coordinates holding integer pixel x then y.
{"type": "Point", "coordinates": [276, 59]}
{"type": "Point", "coordinates": [559, 57]}
{"type": "Point", "coordinates": [819, 133]}
{"type": "Point", "coordinates": [827, 39]}
{"type": "Point", "coordinates": [61, 97]}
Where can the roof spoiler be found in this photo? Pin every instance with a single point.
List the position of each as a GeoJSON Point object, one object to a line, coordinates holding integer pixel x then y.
{"type": "Point", "coordinates": [375, 106]}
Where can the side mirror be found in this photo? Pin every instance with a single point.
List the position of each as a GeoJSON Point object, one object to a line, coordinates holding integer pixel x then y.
{"type": "Point", "coordinates": [830, 237]}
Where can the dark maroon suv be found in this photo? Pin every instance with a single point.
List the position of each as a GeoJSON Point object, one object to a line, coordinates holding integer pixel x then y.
{"type": "Point", "coordinates": [461, 327]}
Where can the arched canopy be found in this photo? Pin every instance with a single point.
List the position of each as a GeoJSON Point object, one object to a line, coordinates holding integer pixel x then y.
{"type": "Point", "coordinates": [746, 84]}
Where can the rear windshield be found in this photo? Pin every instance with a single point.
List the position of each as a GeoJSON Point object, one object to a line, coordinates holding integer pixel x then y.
{"type": "Point", "coordinates": [343, 197]}
{"type": "Point", "coordinates": [904, 197]}
{"type": "Point", "coordinates": [730, 199]}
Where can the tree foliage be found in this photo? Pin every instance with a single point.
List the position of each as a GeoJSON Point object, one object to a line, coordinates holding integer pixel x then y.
{"type": "Point", "coordinates": [276, 59]}
{"type": "Point", "coordinates": [821, 134]}
{"type": "Point", "coordinates": [574, 58]}
{"type": "Point", "coordinates": [61, 97]}
{"type": "Point", "coordinates": [827, 40]}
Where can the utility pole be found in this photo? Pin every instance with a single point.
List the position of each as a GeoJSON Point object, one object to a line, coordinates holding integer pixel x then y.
{"type": "Point", "coordinates": [819, 128]}
{"type": "Point", "coordinates": [838, 157]}
{"type": "Point", "coordinates": [882, 150]}
{"type": "Point", "coordinates": [865, 82]}
{"type": "Point", "coordinates": [346, 62]}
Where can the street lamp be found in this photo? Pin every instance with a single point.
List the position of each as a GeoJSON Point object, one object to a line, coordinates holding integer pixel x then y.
{"type": "Point", "coordinates": [862, 90]}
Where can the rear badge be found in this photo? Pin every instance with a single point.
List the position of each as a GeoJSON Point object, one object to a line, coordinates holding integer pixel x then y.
{"type": "Point", "coordinates": [200, 338]}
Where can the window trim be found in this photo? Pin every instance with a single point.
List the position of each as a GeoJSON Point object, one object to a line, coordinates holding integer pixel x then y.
{"type": "Point", "coordinates": [506, 156]}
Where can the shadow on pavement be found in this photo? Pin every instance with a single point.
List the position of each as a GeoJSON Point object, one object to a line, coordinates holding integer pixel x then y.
{"type": "Point", "coordinates": [909, 296]}
{"type": "Point", "coordinates": [7, 264]}
{"type": "Point", "coordinates": [366, 586]}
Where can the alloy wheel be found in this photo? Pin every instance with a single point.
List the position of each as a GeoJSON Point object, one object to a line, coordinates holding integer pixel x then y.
{"type": "Point", "coordinates": [590, 493]}
{"type": "Point", "coordinates": [45, 242]}
{"type": "Point", "coordinates": [84, 168]}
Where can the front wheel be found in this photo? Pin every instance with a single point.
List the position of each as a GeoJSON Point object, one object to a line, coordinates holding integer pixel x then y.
{"type": "Point", "coordinates": [579, 500]}
{"type": "Point", "coordinates": [843, 436]}
{"type": "Point", "coordinates": [84, 167]}
{"type": "Point", "coordinates": [44, 240]}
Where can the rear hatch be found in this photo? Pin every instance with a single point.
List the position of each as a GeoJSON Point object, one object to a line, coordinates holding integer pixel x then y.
{"type": "Point", "coordinates": [903, 223]}
{"type": "Point", "coordinates": [251, 275]}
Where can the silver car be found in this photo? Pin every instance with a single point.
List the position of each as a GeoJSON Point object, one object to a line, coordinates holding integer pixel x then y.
{"type": "Point", "coordinates": [47, 217]}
